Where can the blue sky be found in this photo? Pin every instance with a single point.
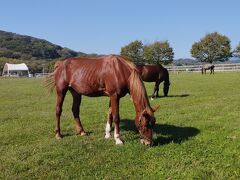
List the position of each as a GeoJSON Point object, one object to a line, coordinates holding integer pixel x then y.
{"type": "Point", "coordinates": [104, 26]}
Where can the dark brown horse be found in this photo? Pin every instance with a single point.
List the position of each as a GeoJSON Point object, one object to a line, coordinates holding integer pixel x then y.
{"type": "Point", "coordinates": [155, 73]}
{"type": "Point", "coordinates": [206, 67]}
{"type": "Point", "coordinates": [111, 76]}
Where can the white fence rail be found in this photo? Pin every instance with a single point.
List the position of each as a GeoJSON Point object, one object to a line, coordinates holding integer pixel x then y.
{"type": "Point", "coordinates": [197, 68]}
{"type": "Point", "coordinates": [42, 74]}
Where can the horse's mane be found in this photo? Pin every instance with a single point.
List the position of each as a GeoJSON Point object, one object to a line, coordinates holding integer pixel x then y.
{"type": "Point", "coordinates": [136, 86]}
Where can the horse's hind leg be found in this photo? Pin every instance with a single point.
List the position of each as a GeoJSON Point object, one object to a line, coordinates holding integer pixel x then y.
{"type": "Point", "coordinates": [212, 70]}
{"type": "Point", "coordinates": [60, 98]}
{"type": "Point", "coordinates": [75, 110]}
{"type": "Point", "coordinates": [157, 88]}
{"type": "Point", "coordinates": [109, 123]}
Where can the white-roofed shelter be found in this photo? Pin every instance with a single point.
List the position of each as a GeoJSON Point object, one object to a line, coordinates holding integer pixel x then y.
{"type": "Point", "coordinates": [15, 70]}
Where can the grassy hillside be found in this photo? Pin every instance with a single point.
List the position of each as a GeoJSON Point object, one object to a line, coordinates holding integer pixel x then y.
{"type": "Point", "coordinates": [26, 47]}
{"type": "Point", "coordinates": [197, 133]}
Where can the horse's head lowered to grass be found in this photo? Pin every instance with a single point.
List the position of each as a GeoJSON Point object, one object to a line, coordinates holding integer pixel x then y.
{"type": "Point", "coordinates": [145, 125]}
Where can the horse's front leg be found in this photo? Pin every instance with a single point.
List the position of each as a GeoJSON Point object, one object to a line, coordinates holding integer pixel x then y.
{"type": "Point", "coordinates": [109, 123]}
{"type": "Point", "coordinates": [115, 115]}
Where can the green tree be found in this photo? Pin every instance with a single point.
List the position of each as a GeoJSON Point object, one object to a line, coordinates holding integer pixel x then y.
{"type": "Point", "coordinates": [133, 51]}
{"type": "Point", "coordinates": [213, 47]}
{"type": "Point", "coordinates": [237, 51]}
{"type": "Point", "coordinates": [158, 53]}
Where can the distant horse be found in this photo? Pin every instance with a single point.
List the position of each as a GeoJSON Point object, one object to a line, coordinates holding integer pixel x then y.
{"type": "Point", "coordinates": [206, 67]}
{"type": "Point", "coordinates": [155, 73]}
{"type": "Point", "coordinates": [111, 76]}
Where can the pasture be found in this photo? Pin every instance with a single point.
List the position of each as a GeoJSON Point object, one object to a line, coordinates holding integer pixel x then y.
{"type": "Point", "coordinates": [197, 133]}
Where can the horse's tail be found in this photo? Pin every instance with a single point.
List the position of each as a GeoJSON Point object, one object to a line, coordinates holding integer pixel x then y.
{"type": "Point", "coordinates": [166, 81]}
{"type": "Point", "coordinates": [49, 81]}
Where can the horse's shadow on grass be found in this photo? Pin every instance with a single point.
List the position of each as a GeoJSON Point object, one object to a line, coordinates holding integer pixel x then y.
{"type": "Point", "coordinates": [170, 96]}
{"type": "Point", "coordinates": [165, 133]}
{"type": "Point", "coordinates": [179, 95]}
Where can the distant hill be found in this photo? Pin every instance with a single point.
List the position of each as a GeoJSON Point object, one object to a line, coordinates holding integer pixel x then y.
{"type": "Point", "coordinates": [30, 48]}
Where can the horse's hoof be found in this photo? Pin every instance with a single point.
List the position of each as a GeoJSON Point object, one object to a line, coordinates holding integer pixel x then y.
{"type": "Point", "coordinates": [145, 142]}
{"type": "Point", "coordinates": [58, 136]}
{"type": "Point", "coordinates": [83, 133]}
{"type": "Point", "coordinates": [107, 136]}
{"type": "Point", "coordinates": [152, 98]}
{"type": "Point", "coordinates": [118, 141]}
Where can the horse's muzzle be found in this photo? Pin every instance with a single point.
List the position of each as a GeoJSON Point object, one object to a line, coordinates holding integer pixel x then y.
{"type": "Point", "coordinates": [146, 142]}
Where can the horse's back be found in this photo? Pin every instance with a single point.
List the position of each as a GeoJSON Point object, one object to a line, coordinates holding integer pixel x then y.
{"type": "Point", "coordinates": [95, 76]}
{"type": "Point", "coordinates": [152, 73]}
{"type": "Point", "coordinates": [208, 66]}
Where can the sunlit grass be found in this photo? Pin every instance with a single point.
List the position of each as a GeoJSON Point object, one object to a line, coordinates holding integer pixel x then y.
{"type": "Point", "coordinates": [197, 133]}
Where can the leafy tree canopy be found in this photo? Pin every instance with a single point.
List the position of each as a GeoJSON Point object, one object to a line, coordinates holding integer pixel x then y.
{"type": "Point", "coordinates": [213, 47]}
{"type": "Point", "coordinates": [133, 51]}
{"type": "Point", "coordinates": [155, 53]}
{"type": "Point", "coordinates": [237, 50]}
{"type": "Point", "coordinates": [158, 53]}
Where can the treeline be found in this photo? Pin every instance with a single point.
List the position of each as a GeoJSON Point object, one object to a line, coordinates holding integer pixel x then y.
{"type": "Point", "coordinates": [155, 53]}
{"type": "Point", "coordinates": [29, 48]}
{"type": "Point", "coordinates": [213, 47]}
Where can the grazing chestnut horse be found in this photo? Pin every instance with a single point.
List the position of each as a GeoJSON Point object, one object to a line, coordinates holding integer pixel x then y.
{"type": "Point", "coordinates": [111, 76]}
{"type": "Point", "coordinates": [206, 67]}
{"type": "Point", "coordinates": [155, 73]}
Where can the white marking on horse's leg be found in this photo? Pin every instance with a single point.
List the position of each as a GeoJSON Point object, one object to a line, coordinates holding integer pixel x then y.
{"type": "Point", "coordinates": [152, 98]}
{"type": "Point", "coordinates": [117, 137]}
{"type": "Point", "coordinates": [107, 131]}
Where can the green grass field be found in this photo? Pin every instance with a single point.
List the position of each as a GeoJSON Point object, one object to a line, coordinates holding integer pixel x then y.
{"type": "Point", "coordinates": [197, 133]}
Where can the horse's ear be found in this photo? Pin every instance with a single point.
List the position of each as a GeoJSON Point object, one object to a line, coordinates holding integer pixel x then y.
{"type": "Point", "coordinates": [156, 108]}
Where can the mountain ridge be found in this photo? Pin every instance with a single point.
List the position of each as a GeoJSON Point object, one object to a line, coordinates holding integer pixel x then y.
{"type": "Point", "coordinates": [13, 45]}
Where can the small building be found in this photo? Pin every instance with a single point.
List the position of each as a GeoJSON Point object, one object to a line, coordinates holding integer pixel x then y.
{"type": "Point", "coordinates": [15, 70]}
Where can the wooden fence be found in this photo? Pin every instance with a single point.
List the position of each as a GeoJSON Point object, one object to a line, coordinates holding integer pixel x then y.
{"type": "Point", "coordinates": [197, 68]}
